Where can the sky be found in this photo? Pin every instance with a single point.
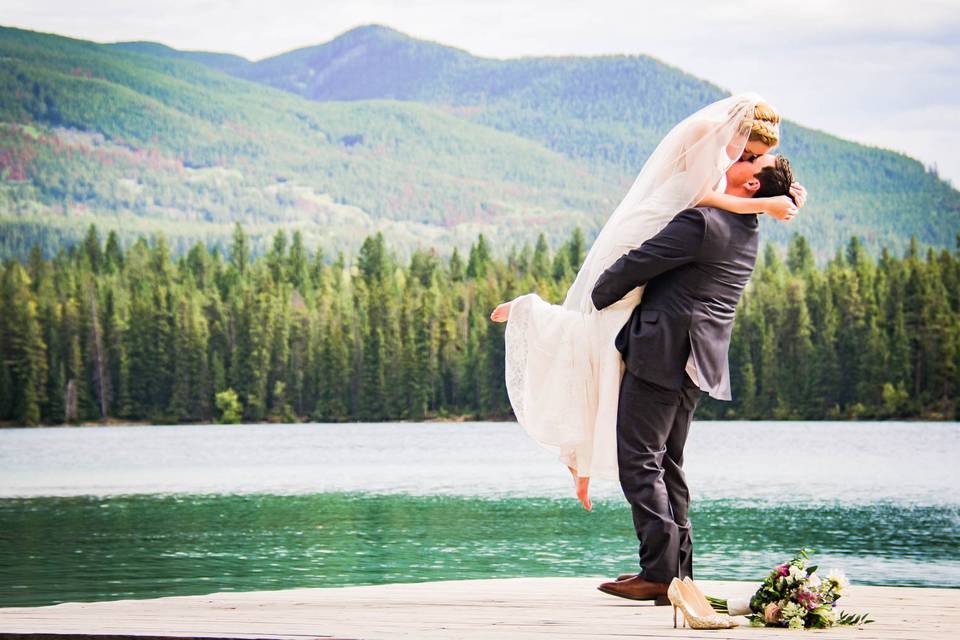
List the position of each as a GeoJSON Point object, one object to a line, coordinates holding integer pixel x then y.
{"type": "Point", "coordinates": [879, 72]}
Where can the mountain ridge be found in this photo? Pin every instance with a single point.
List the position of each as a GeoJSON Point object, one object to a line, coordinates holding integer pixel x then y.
{"type": "Point", "coordinates": [455, 142]}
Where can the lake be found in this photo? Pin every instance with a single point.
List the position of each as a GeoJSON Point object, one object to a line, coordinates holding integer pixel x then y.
{"type": "Point", "coordinates": [100, 513]}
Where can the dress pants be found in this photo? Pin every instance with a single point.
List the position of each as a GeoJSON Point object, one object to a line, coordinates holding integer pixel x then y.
{"type": "Point", "coordinates": [652, 427]}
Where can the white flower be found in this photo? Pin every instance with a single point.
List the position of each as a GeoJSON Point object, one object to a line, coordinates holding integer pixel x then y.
{"type": "Point", "coordinates": [813, 580]}
{"type": "Point", "coordinates": [838, 579]}
{"type": "Point", "coordinates": [796, 573]}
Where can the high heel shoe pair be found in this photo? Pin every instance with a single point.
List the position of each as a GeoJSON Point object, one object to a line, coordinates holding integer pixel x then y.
{"type": "Point", "coordinates": [686, 596]}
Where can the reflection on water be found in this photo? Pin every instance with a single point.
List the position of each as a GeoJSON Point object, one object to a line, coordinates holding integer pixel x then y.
{"type": "Point", "coordinates": [107, 513]}
{"type": "Point", "coordinates": [777, 461]}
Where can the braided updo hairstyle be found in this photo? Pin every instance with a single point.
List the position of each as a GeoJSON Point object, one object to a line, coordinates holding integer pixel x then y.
{"type": "Point", "coordinates": [765, 126]}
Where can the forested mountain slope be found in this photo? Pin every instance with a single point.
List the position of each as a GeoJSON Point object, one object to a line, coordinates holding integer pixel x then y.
{"type": "Point", "coordinates": [425, 142]}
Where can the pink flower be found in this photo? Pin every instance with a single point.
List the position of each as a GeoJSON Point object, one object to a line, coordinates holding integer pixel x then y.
{"type": "Point", "coordinates": [771, 613]}
{"type": "Point", "coordinates": [784, 569]}
{"type": "Point", "coordinates": [807, 598]}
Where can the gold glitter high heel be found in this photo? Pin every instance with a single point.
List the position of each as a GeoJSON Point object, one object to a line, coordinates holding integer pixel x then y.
{"type": "Point", "coordinates": [698, 595]}
{"type": "Point", "coordinates": [681, 597]}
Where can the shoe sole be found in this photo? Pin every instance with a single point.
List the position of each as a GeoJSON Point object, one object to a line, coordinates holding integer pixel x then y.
{"type": "Point", "coordinates": [659, 601]}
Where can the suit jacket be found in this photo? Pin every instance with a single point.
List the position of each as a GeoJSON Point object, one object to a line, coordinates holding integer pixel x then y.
{"type": "Point", "coordinates": [695, 271]}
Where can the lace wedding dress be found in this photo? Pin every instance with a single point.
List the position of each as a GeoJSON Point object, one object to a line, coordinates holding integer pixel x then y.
{"type": "Point", "coordinates": [562, 369]}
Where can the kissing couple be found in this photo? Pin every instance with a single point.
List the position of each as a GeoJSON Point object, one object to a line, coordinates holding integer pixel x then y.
{"type": "Point", "coordinates": [610, 379]}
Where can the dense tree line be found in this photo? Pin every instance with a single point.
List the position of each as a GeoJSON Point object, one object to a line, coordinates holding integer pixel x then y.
{"type": "Point", "coordinates": [99, 331]}
{"type": "Point", "coordinates": [858, 338]}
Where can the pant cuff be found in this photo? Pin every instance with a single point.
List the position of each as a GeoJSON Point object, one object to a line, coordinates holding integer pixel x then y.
{"type": "Point", "coordinates": [663, 577]}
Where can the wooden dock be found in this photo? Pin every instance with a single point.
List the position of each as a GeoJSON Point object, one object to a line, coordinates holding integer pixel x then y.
{"type": "Point", "coordinates": [516, 608]}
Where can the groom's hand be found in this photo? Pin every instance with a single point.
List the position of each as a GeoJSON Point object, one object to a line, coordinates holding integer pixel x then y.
{"type": "Point", "coordinates": [674, 246]}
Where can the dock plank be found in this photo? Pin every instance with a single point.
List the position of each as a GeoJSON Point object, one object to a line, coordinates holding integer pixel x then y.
{"type": "Point", "coordinates": [521, 608]}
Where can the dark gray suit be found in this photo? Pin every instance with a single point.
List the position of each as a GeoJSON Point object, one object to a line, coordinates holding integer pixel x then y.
{"type": "Point", "coordinates": [695, 271]}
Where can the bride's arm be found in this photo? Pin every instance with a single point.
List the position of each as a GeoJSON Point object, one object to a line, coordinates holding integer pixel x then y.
{"type": "Point", "coordinates": [780, 207]}
{"type": "Point", "coordinates": [695, 161]}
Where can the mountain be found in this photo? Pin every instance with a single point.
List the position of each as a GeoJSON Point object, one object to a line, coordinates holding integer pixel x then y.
{"type": "Point", "coordinates": [222, 61]}
{"type": "Point", "coordinates": [143, 143]}
{"type": "Point", "coordinates": [613, 110]}
{"type": "Point", "coordinates": [378, 130]}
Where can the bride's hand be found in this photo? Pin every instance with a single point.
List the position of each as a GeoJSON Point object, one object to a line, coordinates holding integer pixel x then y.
{"type": "Point", "coordinates": [501, 313]}
{"type": "Point", "coordinates": [781, 208]}
{"type": "Point", "coordinates": [799, 193]}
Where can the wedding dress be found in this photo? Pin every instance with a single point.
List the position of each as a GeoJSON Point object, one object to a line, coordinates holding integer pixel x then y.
{"type": "Point", "coordinates": [562, 370]}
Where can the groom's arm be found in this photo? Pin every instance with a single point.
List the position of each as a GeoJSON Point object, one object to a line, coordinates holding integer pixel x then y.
{"type": "Point", "coordinates": [677, 244]}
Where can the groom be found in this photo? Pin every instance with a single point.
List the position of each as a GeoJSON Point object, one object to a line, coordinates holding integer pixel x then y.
{"type": "Point", "coordinates": [674, 346]}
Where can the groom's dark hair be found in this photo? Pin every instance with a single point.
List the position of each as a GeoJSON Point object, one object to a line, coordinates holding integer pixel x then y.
{"type": "Point", "coordinates": [775, 180]}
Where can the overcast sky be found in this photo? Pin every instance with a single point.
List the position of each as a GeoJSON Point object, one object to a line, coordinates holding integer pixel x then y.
{"type": "Point", "coordinates": [876, 71]}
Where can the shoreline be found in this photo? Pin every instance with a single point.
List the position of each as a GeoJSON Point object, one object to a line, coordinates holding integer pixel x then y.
{"type": "Point", "coordinates": [115, 422]}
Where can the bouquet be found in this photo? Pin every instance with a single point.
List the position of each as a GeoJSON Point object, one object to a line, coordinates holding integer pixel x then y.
{"type": "Point", "coordinates": [794, 596]}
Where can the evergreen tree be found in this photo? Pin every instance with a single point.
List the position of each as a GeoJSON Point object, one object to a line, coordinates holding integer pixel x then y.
{"type": "Point", "coordinates": [479, 258]}
{"type": "Point", "coordinates": [148, 337]}
{"type": "Point", "coordinates": [91, 245]}
{"type": "Point", "coordinates": [456, 267]}
{"type": "Point", "coordinates": [113, 254]}
{"type": "Point", "coordinates": [799, 255]}
{"type": "Point", "coordinates": [277, 257]}
{"type": "Point", "coordinates": [561, 268]}
{"type": "Point", "coordinates": [576, 250]}
{"type": "Point", "coordinates": [373, 261]}
{"type": "Point", "coordinates": [540, 263]}
{"type": "Point", "coordinates": [239, 250]}
{"type": "Point", "coordinates": [297, 263]}
{"type": "Point", "coordinates": [25, 348]}
{"type": "Point", "coordinates": [796, 350]}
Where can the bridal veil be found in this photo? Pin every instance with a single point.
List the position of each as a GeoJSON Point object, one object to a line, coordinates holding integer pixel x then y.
{"type": "Point", "coordinates": [562, 370]}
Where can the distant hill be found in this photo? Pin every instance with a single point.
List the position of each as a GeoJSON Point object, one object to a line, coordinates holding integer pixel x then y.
{"type": "Point", "coordinates": [607, 108]}
{"type": "Point", "coordinates": [612, 110]}
{"type": "Point", "coordinates": [222, 61]}
{"type": "Point", "coordinates": [144, 143]}
{"type": "Point", "coordinates": [378, 130]}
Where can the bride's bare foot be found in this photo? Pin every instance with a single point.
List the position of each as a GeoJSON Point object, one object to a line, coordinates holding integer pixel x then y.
{"type": "Point", "coordinates": [501, 313]}
{"type": "Point", "coordinates": [582, 485]}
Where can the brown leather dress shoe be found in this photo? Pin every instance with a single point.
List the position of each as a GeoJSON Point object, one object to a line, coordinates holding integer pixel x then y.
{"type": "Point", "coordinates": [637, 588]}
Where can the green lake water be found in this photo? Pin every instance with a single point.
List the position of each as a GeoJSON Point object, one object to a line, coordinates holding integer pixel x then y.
{"type": "Point", "coordinates": [136, 512]}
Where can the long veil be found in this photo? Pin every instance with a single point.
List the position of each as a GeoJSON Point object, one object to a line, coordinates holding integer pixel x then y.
{"type": "Point", "coordinates": [688, 162]}
{"type": "Point", "coordinates": [562, 370]}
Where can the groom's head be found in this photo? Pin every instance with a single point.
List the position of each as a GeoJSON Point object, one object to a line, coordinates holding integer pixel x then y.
{"type": "Point", "coordinates": [766, 176]}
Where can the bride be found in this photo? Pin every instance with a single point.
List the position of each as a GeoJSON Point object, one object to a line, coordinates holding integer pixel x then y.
{"type": "Point", "coordinates": [563, 371]}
